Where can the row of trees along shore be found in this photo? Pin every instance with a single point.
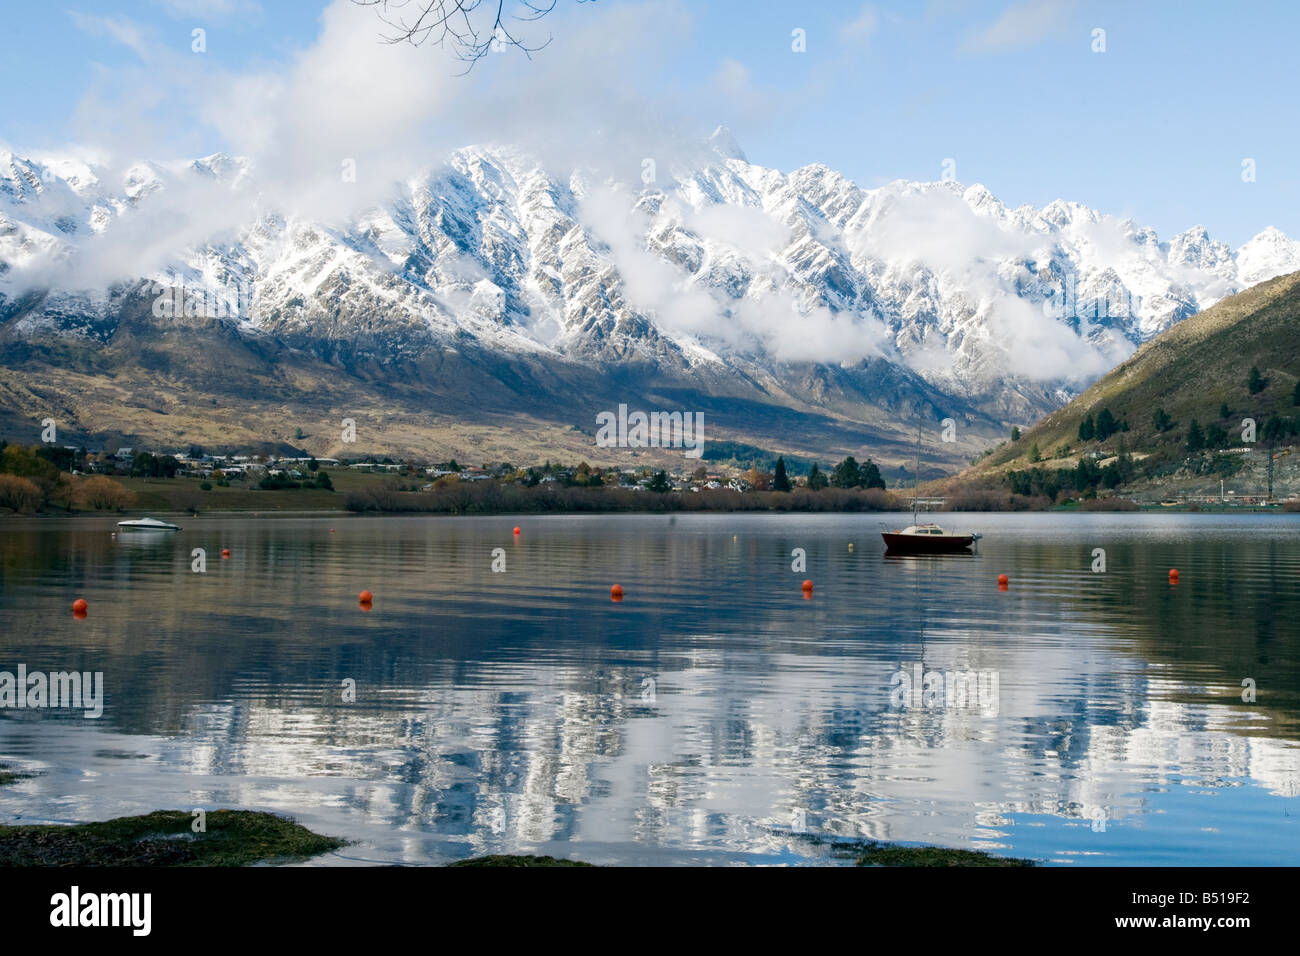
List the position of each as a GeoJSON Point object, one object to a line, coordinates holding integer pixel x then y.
{"type": "Point", "coordinates": [31, 480]}
{"type": "Point", "coordinates": [36, 478]}
{"type": "Point", "coordinates": [850, 486]}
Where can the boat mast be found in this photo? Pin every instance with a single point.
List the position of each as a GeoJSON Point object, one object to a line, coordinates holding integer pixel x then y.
{"type": "Point", "coordinates": [916, 477]}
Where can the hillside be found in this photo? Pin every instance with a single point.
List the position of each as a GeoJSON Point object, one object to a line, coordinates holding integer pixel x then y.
{"type": "Point", "coordinates": [1167, 403]}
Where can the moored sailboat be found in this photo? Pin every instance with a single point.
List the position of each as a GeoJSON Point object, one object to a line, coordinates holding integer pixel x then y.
{"type": "Point", "coordinates": [926, 538]}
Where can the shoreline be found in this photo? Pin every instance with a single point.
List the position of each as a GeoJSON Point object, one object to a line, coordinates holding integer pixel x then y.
{"type": "Point", "coordinates": [167, 839]}
{"type": "Point", "coordinates": [937, 516]}
{"type": "Point", "coordinates": [225, 837]}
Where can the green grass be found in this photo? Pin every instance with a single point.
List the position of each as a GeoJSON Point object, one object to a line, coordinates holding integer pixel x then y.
{"type": "Point", "coordinates": [164, 838]}
{"type": "Point", "coordinates": [162, 494]}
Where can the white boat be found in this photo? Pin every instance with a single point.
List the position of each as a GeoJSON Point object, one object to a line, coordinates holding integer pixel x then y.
{"type": "Point", "coordinates": [147, 524]}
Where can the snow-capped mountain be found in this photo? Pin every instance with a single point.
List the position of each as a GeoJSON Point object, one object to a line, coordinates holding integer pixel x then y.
{"type": "Point", "coordinates": [799, 290]}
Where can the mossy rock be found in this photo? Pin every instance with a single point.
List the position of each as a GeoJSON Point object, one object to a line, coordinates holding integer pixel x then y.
{"type": "Point", "coordinates": [885, 854]}
{"type": "Point", "coordinates": [164, 838]}
{"type": "Point", "coordinates": [518, 861]}
{"type": "Point", "coordinates": [875, 853]}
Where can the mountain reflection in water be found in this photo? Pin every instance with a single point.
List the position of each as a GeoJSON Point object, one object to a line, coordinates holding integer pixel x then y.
{"type": "Point", "coordinates": [707, 717]}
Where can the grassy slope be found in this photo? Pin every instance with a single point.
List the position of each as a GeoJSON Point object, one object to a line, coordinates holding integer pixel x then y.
{"type": "Point", "coordinates": [159, 494]}
{"type": "Point", "coordinates": [1189, 371]}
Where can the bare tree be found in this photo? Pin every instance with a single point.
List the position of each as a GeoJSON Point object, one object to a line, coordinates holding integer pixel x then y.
{"type": "Point", "coordinates": [23, 496]}
{"type": "Point", "coordinates": [100, 493]}
{"type": "Point", "coordinates": [468, 28]}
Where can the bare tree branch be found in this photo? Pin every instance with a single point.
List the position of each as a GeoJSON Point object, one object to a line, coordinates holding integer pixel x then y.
{"type": "Point", "coordinates": [469, 29]}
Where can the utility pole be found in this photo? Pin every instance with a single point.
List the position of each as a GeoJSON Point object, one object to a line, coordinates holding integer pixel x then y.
{"type": "Point", "coordinates": [1270, 472]}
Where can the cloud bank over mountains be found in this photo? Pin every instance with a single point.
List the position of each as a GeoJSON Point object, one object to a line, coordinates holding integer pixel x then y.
{"type": "Point", "coordinates": [588, 224]}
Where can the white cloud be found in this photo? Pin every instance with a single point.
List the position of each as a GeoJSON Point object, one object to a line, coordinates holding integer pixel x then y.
{"type": "Point", "coordinates": [579, 104]}
{"type": "Point", "coordinates": [747, 229]}
{"type": "Point", "coordinates": [119, 29]}
{"type": "Point", "coordinates": [1020, 25]}
{"type": "Point", "coordinates": [211, 9]}
{"type": "Point", "coordinates": [935, 229]}
{"type": "Point", "coordinates": [767, 320]}
{"type": "Point", "coordinates": [732, 78]}
{"type": "Point", "coordinates": [349, 97]}
{"type": "Point", "coordinates": [862, 27]}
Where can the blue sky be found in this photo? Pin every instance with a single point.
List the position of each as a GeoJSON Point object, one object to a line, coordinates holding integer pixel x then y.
{"type": "Point", "coordinates": [1156, 127]}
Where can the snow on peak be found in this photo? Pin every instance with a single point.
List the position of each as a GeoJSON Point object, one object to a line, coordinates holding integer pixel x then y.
{"type": "Point", "coordinates": [1271, 253]}
{"type": "Point", "coordinates": [221, 167]}
{"type": "Point", "coordinates": [1194, 247]}
{"type": "Point", "coordinates": [489, 243]}
{"type": "Point", "coordinates": [1062, 212]}
{"type": "Point", "coordinates": [724, 144]}
{"type": "Point", "coordinates": [981, 199]}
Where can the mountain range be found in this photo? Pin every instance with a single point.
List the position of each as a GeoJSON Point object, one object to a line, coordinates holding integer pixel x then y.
{"type": "Point", "coordinates": [491, 305]}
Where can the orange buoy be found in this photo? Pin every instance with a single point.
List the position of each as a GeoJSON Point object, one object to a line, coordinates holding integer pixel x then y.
{"type": "Point", "coordinates": [225, 552]}
{"type": "Point", "coordinates": [366, 597]}
{"type": "Point", "coordinates": [806, 586]}
{"type": "Point", "coordinates": [79, 606]}
{"type": "Point", "coordinates": [516, 530]}
{"type": "Point", "coordinates": [1003, 581]}
{"type": "Point", "coordinates": [616, 592]}
{"type": "Point", "coordinates": [1173, 575]}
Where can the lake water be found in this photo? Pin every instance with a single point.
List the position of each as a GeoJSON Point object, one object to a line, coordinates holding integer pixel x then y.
{"type": "Point", "coordinates": [714, 715]}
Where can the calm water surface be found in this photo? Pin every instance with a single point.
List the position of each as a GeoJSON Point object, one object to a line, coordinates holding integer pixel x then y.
{"type": "Point", "coordinates": [715, 715]}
